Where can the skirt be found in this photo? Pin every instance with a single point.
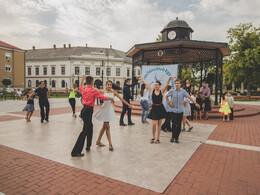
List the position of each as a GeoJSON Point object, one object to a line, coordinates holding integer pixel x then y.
{"type": "Point", "coordinates": [106, 113]}
{"type": "Point", "coordinates": [29, 108]}
{"type": "Point", "coordinates": [186, 110]}
{"type": "Point", "coordinates": [207, 104]}
{"type": "Point", "coordinates": [157, 112]}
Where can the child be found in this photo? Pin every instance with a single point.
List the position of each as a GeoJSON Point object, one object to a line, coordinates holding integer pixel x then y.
{"type": "Point", "coordinates": [186, 113]}
{"type": "Point", "coordinates": [224, 107]}
{"type": "Point", "coordinates": [199, 101]}
{"type": "Point", "coordinates": [30, 105]}
{"type": "Point", "coordinates": [231, 105]}
{"type": "Point", "coordinates": [192, 105]}
{"type": "Point", "coordinates": [106, 113]}
{"type": "Point", "coordinates": [89, 94]}
{"type": "Point", "coordinates": [207, 105]}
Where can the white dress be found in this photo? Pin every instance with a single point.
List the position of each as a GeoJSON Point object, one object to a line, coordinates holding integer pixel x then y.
{"type": "Point", "coordinates": [186, 107]}
{"type": "Point", "coordinates": [106, 113]}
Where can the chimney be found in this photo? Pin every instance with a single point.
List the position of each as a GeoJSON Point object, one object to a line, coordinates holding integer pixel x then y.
{"type": "Point", "coordinates": [54, 46]}
{"type": "Point", "coordinates": [69, 45]}
{"type": "Point", "coordinates": [33, 47]}
{"type": "Point", "coordinates": [86, 45]}
{"type": "Point", "coordinates": [64, 45]}
{"type": "Point", "coordinates": [110, 46]}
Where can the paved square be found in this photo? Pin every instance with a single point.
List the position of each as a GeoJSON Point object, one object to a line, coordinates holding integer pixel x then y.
{"type": "Point", "coordinates": [133, 161]}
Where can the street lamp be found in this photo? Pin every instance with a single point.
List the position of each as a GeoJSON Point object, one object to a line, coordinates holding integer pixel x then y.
{"type": "Point", "coordinates": [102, 66]}
{"type": "Point", "coordinates": [107, 55]}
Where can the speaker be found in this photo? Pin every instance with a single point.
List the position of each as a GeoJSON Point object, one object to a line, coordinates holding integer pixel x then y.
{"type": "Point", "coordinates": [210, 78]}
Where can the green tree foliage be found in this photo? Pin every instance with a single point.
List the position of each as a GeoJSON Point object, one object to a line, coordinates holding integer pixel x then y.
{"type": "Point", "coordinates": [243, 65]}
{"type": "Point", "coordinates": [6, 82]}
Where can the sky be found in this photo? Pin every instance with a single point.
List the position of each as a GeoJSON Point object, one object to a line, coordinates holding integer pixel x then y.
{"type": "Point", "coordinates": [120, 23]}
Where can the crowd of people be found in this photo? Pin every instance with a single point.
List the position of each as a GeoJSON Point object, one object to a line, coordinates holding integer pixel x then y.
{"type": "Point", "coordinates": [177, 105]}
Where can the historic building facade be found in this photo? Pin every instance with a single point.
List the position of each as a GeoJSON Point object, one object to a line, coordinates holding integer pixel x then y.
{"type": "Point", "coordinates": [59, 68]}
{"type": "Point", "coordinates": [12, 65]}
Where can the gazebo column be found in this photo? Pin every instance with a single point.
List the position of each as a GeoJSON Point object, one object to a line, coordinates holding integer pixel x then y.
{"type": "Point", "coordinates": [180, 65]}
{"type": "Point", "coordinates": [201, 70]}
{"type": "Point", "coordinates": [216, 79]}
{"type": "Point", "coordinates": [133, 68]}
{"type": "Point", "coordinates": [221, 76]}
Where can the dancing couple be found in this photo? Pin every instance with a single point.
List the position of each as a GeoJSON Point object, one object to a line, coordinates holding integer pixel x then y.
{"type": "Point", "coordinates": [105, 114]}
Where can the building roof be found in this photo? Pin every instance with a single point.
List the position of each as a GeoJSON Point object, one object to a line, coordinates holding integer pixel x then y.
{"type": "Point", "coordinates": [58, 53]}
{"type": "Point", "coordinates": [176, 24]}
{"type": "Point", "coordinates": [223, 47]}
{"type": "Point", "coordinates": [3, 44]}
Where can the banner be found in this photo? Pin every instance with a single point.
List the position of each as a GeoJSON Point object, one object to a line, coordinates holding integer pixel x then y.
{"type": "Point", "coordinates": [152, 73]}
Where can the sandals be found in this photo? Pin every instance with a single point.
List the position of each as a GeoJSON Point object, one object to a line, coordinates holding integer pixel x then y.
{"type": "Point", "coordinates": [111, 148]}
{"type": "Point", "coordinates": [152, 141]}
{"type": "Point", "coordinates": [157, 141]}
{"type": "Point", "coordinates": [100, 144]}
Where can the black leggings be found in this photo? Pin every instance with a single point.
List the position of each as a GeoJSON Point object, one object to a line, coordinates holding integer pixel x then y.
{"type": "Point", "coordinates": [72, 102]}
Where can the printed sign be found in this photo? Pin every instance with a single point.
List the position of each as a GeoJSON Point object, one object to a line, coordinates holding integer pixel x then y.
{"type": "Point", "coordinates": [159, 73]}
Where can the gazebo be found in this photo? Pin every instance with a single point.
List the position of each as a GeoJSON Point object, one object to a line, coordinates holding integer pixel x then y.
{"type": "Point", "coordinates": [177, 47]}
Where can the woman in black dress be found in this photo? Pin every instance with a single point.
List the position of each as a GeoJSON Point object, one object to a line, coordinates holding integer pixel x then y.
{"type": "Point", "coordinates": [199, 101]}
{"type": "Point", "coordinates": [158, 111]}
{"type": "Point", "coordinates": [207, 107]}
{"type": "Point", "coordinates": [188, 87]}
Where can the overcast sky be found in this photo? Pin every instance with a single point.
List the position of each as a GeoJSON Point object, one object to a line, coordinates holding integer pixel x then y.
{"type": "Point", "coordinates": [121, 23]}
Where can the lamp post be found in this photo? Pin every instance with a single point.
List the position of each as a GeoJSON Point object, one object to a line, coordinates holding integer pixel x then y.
{"type": "Point", "coordinates": [107, 55]}
{"type": "Point", "coordinates": [102, 66]}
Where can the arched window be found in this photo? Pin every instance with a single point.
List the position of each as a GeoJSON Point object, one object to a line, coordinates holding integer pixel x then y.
{"type": "Point", "coordinates": [118, 83]}
{"type": "Point", "coordinates": [53, 83]}
{"type": "Point", "coordinates": [29, 83]}
{"type": "Point", "coordinates": [37, 83]}
{"type": "Point", "coordinates": [77, 82]}
{"type": "Point", "coordinates": [63, 84]}
{"type": "Point", "coordinates": [45, 82]}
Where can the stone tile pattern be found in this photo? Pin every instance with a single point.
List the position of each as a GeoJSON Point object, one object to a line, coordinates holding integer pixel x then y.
{"type": "Point", "coordinates": [211, 170]}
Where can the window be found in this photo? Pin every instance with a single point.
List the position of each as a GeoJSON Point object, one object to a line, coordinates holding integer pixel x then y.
{"type": "Point", "coordinates": [139, 72]}
{"type": "Point", "coordinates": [7, 68]}
{"type": "Point", "coordinates": [37, 71]}
{"type": "Point", "coordinates": [44, 70]}
{"type": "Point", "coordinates": [8, 56]}
{"type": "Point", "coordinates": [29, 83]}
{"type": "Point", "coordinates": [76, 70]}
{"type": "Point", "coordinates": [128, 73]}
{"type": "Point", "coordinates": [63, 84]}
{"type": "Point", "coordinates": [108, 71]}
{"type": "Point", "coordinates": [37, 83]}
{"type": "Point", "coordinates": [53, 83]}
{"type": "Point", "coordinates": [117, 71]}
{"type": "Point", "coordinates": [63, 70]}
{"type": "Point", "coordinates": [97, 71]}
{"type": "Point", "coordinates": [118, 83]}
{"type": "Point", "coordinates": [45, 82]}
{"type": "Point", "coordinates": [87, 71]}
{"type": "Point", "coordinates": [29, 71]}
{"type": "Point", "coordinates": [52, 70]}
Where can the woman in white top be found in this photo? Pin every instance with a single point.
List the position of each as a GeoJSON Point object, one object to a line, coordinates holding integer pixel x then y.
{"type": "Point", "coordinates": [144, 102]}
{"type": "Point", "coordinates": [106, 113]}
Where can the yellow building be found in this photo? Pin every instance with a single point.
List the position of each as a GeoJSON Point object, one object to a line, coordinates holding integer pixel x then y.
{"type": "Point", "coordinates": [12, 65]}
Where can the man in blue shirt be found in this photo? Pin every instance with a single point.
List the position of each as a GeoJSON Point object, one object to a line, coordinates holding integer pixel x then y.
{"type": "Point", "coordinates": [127, 96]}
{"type": "Point", "coordinates": [176, 103]}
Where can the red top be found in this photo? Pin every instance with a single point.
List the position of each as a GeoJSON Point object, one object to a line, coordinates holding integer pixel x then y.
{"type": "Point", "coordinates": [89, 94]}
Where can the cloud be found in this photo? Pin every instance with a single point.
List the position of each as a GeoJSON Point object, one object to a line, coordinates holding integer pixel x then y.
{"type": "Point", "coordinates": [121, 23]}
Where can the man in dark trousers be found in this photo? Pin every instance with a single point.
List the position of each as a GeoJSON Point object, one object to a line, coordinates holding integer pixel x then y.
{"type": "Point", "coordinates": [43, 94]}
{"type": "Point", "coordinates": [127, 96]}
{"type": "Point", "coordinates": [89, 94]}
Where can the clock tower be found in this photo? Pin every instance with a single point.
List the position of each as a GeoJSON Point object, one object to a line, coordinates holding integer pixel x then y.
{"type": "Point", "coordinates": [176, 30]}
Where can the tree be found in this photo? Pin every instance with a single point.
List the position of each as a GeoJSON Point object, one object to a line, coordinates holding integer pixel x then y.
{"type": "Point", "coordinates": [159, 38]}
{"type": "Point", "coordinates": [243, 65]}
{"type": "Point", "coordinates": [6, 82]}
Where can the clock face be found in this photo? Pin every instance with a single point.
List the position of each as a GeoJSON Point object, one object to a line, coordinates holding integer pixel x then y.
{"type": "Point", "coordinates": [172, 35]}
